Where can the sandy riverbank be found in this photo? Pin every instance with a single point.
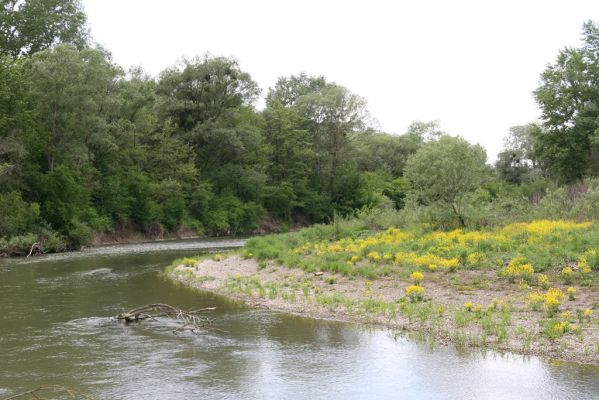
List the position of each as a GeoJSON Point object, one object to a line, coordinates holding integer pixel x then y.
{"type": "Point", "coordinates": [503, 322]}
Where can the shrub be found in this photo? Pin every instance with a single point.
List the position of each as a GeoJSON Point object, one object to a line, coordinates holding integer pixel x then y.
{"type": "Point", "coordinates": [415, 293]}
{"type": "Point", "coordinates": [518, 269]}
{"type": "Point", "coordinates": [17, 216]}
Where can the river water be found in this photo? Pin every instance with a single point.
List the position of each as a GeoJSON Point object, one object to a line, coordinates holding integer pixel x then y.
{"type": "Point", "coordinates": [56, 328]}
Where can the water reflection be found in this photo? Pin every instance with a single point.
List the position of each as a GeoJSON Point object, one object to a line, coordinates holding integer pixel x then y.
{"type": "Point", "coordinates": [55, 327]}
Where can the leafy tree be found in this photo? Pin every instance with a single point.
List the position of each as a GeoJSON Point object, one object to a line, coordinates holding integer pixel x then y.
{"type": "Point", "coordinates": [15, 118]}
{"type": "Point", "coordinates": [290, 145]}
{"type": "Point", "coordinates": [376, 151]}
{"type": "Point", "coordinates": [517, 163]}
{"type": "Point", "coordinates": [70, 88]}
{"type": "Point", "coordinates": [426, 131]}
{"type": "Point", "coordinates": [444, 172]}
{"type": "Point", "coordinates": [569, 100]}
{"type": "Point", "coordinates": [288, 90]}
{"type": "Point", "coordinates": [201, 89]}
{"type": "Point", "coordinates": [29, 26]}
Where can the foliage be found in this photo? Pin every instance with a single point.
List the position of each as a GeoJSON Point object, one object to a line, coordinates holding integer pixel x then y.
{"type": "Point", "coordinates": [29, 26]}
{"type": "Point", "coordinates": [568, 100]}
{"type": "Point", "coordinates": [17, 216]}
{"type": "Point", "coordinates": [86, 147]}
{"type": "Point", "coordinates": [444, 172]}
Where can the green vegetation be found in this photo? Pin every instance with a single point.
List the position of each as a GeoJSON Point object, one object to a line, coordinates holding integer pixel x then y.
{"type": "Point", "coordinates": [87, 148]}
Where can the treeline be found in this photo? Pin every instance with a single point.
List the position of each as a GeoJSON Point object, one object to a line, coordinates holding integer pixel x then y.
{"type": "Point", "coordinates": [88, 148]}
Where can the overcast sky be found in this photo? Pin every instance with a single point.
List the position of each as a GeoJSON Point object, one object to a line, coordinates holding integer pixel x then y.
{"type": "Point", "coordinates": [470, 64]}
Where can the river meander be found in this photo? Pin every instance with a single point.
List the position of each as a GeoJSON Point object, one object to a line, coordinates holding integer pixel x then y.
{"type": "Point", "coordinates": [56, 328]}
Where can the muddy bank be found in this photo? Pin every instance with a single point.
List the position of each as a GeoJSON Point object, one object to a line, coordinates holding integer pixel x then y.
{"type": "Point", "coordinates": [499, 317]}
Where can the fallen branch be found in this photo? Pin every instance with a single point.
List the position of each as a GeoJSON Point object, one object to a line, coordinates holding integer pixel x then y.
{"type": "Point", "coordinates": [42, 392]}
{"type": "Point", "coordinates": [191, 320]}
{"type": "Point", "coordinates": [36, 246]}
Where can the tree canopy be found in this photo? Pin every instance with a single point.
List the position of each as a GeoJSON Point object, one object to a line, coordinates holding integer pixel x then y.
{"type": "Point", "coordinates": [29, 26]}
{"type": "Point", "coordinates": [569, 101]}
{"type": "Point", "coordinates": [445, 171]}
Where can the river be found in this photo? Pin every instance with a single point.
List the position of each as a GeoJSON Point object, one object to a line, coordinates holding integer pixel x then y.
{"type": "Point", "coordinates": [56, 328]}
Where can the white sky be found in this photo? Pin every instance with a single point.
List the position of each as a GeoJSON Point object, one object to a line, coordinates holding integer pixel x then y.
{"type": "Point", "coordinates": [471, 64]}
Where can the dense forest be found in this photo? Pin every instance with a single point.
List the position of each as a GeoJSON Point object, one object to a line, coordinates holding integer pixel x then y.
{"type": "Point", "coordinates": [89, 149]}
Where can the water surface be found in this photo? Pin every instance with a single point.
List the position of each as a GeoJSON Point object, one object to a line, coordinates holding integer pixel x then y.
{"type": "Point", "coordinates": [56, 328]}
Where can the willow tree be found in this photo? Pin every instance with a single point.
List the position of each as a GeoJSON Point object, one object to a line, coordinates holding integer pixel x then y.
{"type": "Point", "coordinates": [443, 173]}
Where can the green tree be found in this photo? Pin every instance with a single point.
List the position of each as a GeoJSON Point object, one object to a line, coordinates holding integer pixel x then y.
{"type": "Point", "coordinates": [29, 26]}
{"type": "Point", "coordinates": [569, 101]}
{"type": "Point", "coordinates": [444, 172]}
{"type": "Point", "coordinates": [377, 151]}
{"type": "Point", "coordinates": [517, 163]}
{"type": "Point", "coordinates": [15, 119]}
{"type": "Point", "coordinates": [426, 130]}
{"type": "Point", "coordinates": [201, 89]}
{"type": "Point", "coordinates": [71, 89]}
{"type": "Point", "coordinates": [336, 117]}
{"type": "Point", "coordinates": [288, 90]}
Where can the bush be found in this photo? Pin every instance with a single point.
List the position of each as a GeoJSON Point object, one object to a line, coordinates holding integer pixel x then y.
{"type": "Point", "coordinates": [18, 245]}
{"type": "Point", "coordinates": [78, 235]}
{"type": "Point", "coordinates": [16, 216]}
{"type": "Point", "coordinates": [171, 204]}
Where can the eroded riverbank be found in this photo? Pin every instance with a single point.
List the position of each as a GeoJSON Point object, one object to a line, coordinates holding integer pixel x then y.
{"type": "Point", "coordinates": [479, 311]}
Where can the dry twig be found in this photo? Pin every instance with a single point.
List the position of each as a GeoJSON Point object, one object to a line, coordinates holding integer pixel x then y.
{"type": "Point", "coordinates": [192, 320]}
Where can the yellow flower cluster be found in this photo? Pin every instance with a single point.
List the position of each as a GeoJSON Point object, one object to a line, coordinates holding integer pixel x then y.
{"type": "Point", "coordinates": [374, 256]}
{"type": "Point", "coordinates": [459, 237]}
{"type": "Point", "coordinates": [517, 269]}
{"type": "Point", "coordinates": [563, 327]}
{"type": "Point", "coordinates": [426, 260]}
{"type": "Point", "coordinates": [551, 300]}
{"type": "Point", "coordinates": [390, 236]}
{"type": "Point", "coordinates": [476, 258]}
{"type": "Point", "coordinates": [543, 281]}
{"type": "Point", "coordinates": [417, 277]}
{"type": "Point", "coordinates": [448, 251]}
{"type": "Point", "coordinates": [415, 292]}
{"type": "Point", "coordinates": [567, 274]}
{"type": "Point", "coordinates": [543, 227]}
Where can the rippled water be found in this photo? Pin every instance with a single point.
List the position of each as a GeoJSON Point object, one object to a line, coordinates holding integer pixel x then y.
{"type": "Point", "coordinates": [56, 328]}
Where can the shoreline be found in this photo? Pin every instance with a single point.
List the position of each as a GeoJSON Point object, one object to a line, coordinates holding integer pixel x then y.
{"type": "Point", "coordinates": [500, 326]}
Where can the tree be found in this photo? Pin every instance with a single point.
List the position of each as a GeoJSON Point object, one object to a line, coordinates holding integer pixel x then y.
{"type": "Point", "coordinates": [384, 152]}
{"type": "Point", "coordinates": [444, 172]}
{"type": "Point", "coordinates": [517, 163]}
{"type": "Point", "coordinates": [287, 91]}
{"type": "Point", "coordinates": [29, 26]}
{"type": "Point", "coordinates": [336, 116]}
{"type": "Point", "coordinates": [201, 89]}
{"type": "Point", "coordinates": [426, 131]}
{"type": "Point", "coordinates": [70, 88]}
{"type": "Point", "coordinates": [569, 101]}
{"type": "Point", "coordinates": [15, 118]}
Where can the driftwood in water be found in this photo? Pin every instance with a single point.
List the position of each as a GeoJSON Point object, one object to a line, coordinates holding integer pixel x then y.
{"type": "Point", "coordinates": [191, 320]}
{"type": "Point", "coordinates": [36, 246]}
{"type": "Point", "coordinates": [44, 393]}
